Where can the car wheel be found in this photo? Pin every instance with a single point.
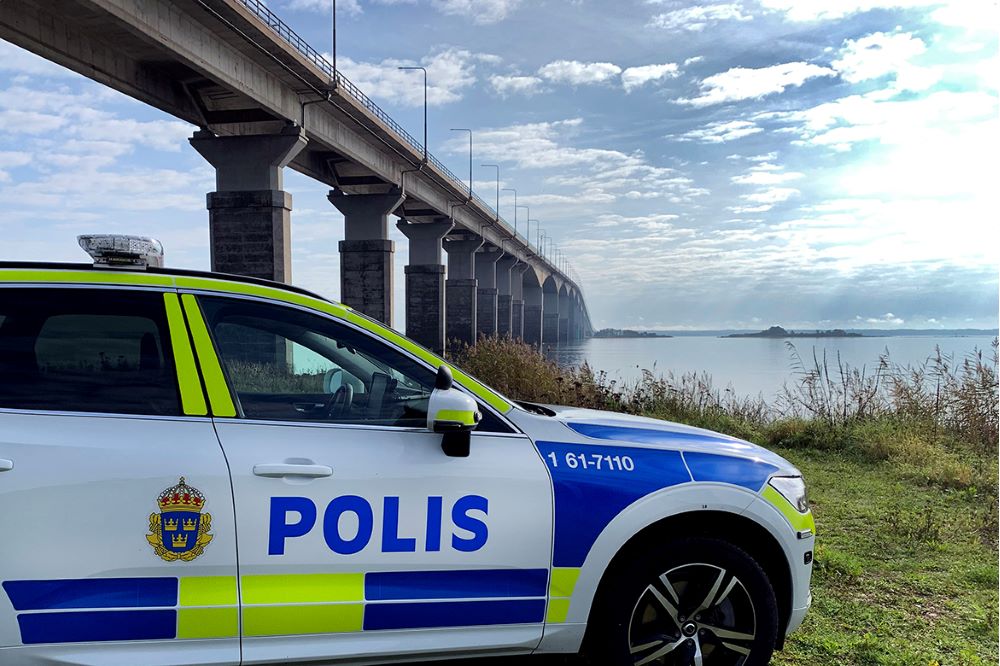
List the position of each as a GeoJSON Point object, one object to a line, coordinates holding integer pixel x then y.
{"type": "Point", "coordinates": [689, 602]}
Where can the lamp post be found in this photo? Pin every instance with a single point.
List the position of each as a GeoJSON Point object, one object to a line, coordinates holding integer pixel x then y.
{"type": "Point", "coordinates": [528, 233]}
{"type": "Point", "coordinates": [497, 167]}
{"type": "Point", "coordinates": [524, 206]}
{"type": "Point", "coordinates": [511, 189]}
{"type": "Point", "coordinates": [333, 53]}
{"type": "Point", "coordinates": [465, 129]}
{"type": "Point", "coordinates": [424, 70]}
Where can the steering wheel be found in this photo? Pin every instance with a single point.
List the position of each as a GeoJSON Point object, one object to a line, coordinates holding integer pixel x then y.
{"type": "Point", "coordinates": [339, 404]}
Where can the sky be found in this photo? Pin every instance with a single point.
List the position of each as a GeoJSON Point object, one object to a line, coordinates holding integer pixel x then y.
{"type": "Point", "coordinates": [732, 164]}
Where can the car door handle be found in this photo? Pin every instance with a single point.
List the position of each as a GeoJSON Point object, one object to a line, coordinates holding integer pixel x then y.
{"type": "Point", "coordinates": [277, 470]}
{"type": "Point", "coordinates": [6, 465]}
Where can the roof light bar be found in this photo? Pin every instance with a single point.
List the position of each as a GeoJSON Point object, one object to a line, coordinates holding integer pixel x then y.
{"type": "Point", "coordinates": [120, 251]}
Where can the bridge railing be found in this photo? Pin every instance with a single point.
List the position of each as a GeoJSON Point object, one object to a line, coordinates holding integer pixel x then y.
{"type": "Point", "coordinates": [282, 30]}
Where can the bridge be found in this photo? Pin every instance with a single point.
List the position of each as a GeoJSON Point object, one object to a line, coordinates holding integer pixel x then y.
{"type": "Point", "coordinates": [263, 100]}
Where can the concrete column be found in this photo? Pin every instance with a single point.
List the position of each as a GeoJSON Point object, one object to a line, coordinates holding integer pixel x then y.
{"type": "Point", "coordinates": [425, 274]}
{"type": "Point", "coordinates": [550, 319]}
{"type": "Point", "coordinates": [564, 310]}
{"type": "Point", "coordinates": [533, 315]}
{"type": "Point", "coordinates": [249, 215]}
{"type": "Point", "coordinates": [366, 251]}
{"type": "Point", "coordinates": [517, 301]}
{"type": "Point", "coordinates": [574, 319]}
{"type": "Point", "coordinates": [504, 270]}
{"type": "Point", "coordinates": [486, 291]}
{"type": "Point", "coordinates": [460, 288]}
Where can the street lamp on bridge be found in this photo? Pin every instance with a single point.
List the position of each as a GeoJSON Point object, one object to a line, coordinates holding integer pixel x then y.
{"type": "Point", "coordinates": [511, 189]}
{"type": "Point", "coordinates": [466, 129]}
{"type": "Point", "coordinates": [497, 167]}
{"type": "Point", "coordinates": [424, 70]}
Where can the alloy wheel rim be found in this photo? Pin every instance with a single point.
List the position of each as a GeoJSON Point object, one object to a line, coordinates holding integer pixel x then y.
{"type": "Point", "coordinates": [695, 614]}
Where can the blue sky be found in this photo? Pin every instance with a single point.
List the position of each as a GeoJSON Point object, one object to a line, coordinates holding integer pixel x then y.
{"type": "Point", "coordinates": [730, 164]}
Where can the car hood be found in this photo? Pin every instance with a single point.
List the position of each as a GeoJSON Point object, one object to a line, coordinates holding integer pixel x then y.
{"type": "Point", "coordinates": [596, 427]}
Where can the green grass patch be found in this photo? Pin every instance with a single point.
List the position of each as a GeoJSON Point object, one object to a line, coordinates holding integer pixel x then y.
{"type": "Point", "coordinates": [902, 574]}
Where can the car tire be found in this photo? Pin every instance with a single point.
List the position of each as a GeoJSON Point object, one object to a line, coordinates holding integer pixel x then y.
{"type": "Point", "coordinates": [686, 602]}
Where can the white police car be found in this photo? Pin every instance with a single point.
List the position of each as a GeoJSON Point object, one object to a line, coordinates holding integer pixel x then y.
{"type": "Point", "coordinates": [200, 468]}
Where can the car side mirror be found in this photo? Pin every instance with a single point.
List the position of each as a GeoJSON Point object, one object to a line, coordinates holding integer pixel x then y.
{"type": "Point", "coordinates": [453, 414]}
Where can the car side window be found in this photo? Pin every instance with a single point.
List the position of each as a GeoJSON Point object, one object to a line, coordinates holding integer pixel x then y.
{"type": "Point", "coordinates": [286, 364]}
{"type": "Point", "coordinates": [86, 350]}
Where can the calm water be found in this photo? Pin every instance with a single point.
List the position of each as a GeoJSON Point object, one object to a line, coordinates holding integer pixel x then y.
{"type": "Point", "coordinates": [751, 365]}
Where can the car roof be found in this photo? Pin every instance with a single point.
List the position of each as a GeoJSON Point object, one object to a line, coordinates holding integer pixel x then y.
{"type": "Point", "coordinates": [179, 272]}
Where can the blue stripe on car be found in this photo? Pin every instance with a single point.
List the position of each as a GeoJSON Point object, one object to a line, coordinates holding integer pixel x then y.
{"type": "Point", "coordinates": [629, 432]}
{"type": "Point", "coordinates": [91, 593]}
{"type": "Point", "coordinates": [453, 614]}
{"type": "Point", "coordinates": [86, 626]}
{"type": "Point", "coordinates": [750, 474]}
{"type": "Point", "coordinates": [462, 584]}
{"type": "Point", "coordinates": [587, 499]}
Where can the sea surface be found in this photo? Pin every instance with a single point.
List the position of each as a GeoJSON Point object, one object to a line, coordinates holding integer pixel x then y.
{"type": "Point", "coordinates": [753, 366]}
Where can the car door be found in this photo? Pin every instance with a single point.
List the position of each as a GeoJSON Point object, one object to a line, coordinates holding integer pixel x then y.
{"type": "Point", "coordinates": [358, 535]}
{"type": "Point", "coordinates": [117, 539]}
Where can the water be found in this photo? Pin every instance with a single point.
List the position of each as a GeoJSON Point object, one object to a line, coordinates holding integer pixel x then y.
{"type": "Point", "coordinates": [752, 366]}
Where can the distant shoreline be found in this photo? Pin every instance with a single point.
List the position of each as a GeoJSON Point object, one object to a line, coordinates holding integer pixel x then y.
{"type": "Point", "coordinates": [780, 333]}
{"type": "Point", "coordinates": [861, 333]}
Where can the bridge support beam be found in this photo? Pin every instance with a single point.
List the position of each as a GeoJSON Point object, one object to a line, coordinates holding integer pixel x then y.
{"type": "Point", "coordinates": [504, 270]}
{"type": "Point", "coordinates": [249, 215]}
{"type": "Point", "coordinates": [366, 251]}
{"type": "Point", "coordinates": [486, 291]}
{"type": "Point", "coordinates": [550, 319]}
{"type": "Point", "coordinates": [425, 274]}
{"type": "Point", "coordinates": [461, 288]}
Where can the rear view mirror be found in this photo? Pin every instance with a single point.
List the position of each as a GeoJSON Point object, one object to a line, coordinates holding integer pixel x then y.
{"type": "Point", "coordinates": [453, 414]}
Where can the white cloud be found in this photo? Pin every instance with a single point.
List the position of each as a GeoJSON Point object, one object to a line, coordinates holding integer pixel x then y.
{"type": "Point", "coordinates": [635, 77]}
{"type": "Point", "coordinates": [693, 60]}
{"type": "Point", "coordinates": [449, 73]}
{"type": "Point", "coordinates": [699, 17]}
{"type": "Point", "coordinates": [579, 175]}
{"type": "Point", "coordinates": [766, 174]}
{"type": "Point", "coordinates": [773, 195]}
{"type": "Point", "coordinates": [722, 131]}
{"type": "Point", "coordinates": [482, 12]}
{"type": "Point", "coordinates": [577, 73]}
{"type": "Point", "coordinates": [741, 83]}
{"type": "Point", "coordinates": [820, 10]}
{"type": "Point", "coordinates": [887, 318]}
{"type": "Point", "coordinates": [882, 54]}
{"type": "Point", "coordinates": [516, 85]}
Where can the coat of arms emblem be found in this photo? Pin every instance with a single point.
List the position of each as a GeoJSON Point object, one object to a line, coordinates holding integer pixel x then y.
{"type": "Point", "coordinates": [180, 531]}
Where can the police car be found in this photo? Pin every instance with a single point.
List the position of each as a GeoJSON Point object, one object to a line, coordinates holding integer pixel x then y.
{"type": "Point", "coordinates": [207, 469]}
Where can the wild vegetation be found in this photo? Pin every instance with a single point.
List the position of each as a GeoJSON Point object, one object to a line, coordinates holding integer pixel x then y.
{"type": "Point", "coordinates": [901, 463]}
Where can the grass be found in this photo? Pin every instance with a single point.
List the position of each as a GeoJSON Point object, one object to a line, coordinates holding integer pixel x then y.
{"type": "Point", "coordinates": [901, 464]}
{"type": "Point", "coordinates": [904, 573]}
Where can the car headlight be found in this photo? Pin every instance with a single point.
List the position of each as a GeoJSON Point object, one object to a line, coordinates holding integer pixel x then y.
{"type": "Point", "coordinates": [793, 489]}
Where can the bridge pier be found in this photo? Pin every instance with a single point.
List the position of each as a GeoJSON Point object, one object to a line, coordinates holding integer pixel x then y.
{"type": "Point", "coordinates": [550, 318]}
{"type": "Point", "coordinates": [517, 301]}
{"type": "Point", "coordinates": [504, 269]}
{"type": "Point", "coordinates": [533, 315]}
{"type": "Point", "coordinates": [461, 288]}
{"type": "Point", "coordinates": [425, 274]}
{"type": "Point", "coordinates": [564, 308]}
{"type": "Point", "coordinates": [249, 215]}
{"type": "Point", "coordinates": [486, 290]}
{"type": "Point", "coordinates": [366, 251]}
